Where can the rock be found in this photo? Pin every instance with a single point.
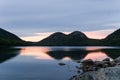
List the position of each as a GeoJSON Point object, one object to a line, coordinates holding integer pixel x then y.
{"type": "Point", "coordinates": [78, 61]}
{"type": "Point", "coordinates": [87, 64]}
{"type": "Point", "coordinates": [107, 59]}
{"type": "Point", "coordinates": [106, 62]}
{"type": "Point", "coordinates": [99, 64]}
{"type": "Point", "coordinates": [112, 64]}
{"type": "Point", "coordinates": [78, 67]}
{"type": "Point", "coordinates": [117, 60]}
{"type": "Point", "coordinates": [118, 63]}
{"type": "Point", "coordinates": [109, 73]}
{"type": "Point", "coordinates": [86, 76]}
{"type": "Point", "coordinates": [90, 65]}
{"type": "Point", "coordinates": [105, 65]}
{"type": "Point", "coordinates": [62, 64]}
{"type": "Point", "coordinates": [100, 70]}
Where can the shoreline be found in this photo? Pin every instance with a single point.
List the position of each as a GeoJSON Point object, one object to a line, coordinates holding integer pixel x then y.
{"type": "Point", "coordinates": [106, 70]}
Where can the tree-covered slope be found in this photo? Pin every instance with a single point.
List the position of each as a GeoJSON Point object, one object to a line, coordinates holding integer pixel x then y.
{"type": "Point", "coordinates": [75, 38]}
{"type": "Point", "coordinates": [7, 38]}
{"type": "Point", "coordinates": [113, 39]}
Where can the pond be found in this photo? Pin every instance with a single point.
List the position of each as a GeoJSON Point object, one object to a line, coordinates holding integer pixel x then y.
{"type": "Point", "coordinates": [48, 63]}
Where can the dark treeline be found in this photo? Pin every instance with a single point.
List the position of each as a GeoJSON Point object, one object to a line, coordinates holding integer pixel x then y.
{"type": "Point", "coordinates": [75, 38]}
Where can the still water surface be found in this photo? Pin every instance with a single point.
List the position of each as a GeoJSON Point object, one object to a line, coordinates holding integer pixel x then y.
{"type": "Point", "coordinates": [42, 63]}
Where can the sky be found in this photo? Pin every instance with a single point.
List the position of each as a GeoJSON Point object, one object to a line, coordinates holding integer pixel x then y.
{"type": "Point", "coordinates": [33, 20]}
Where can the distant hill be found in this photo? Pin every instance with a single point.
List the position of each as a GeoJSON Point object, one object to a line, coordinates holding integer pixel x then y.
{"type": "Point", "coordinates": [8, 39]}
{"type": "Point", "coordinates": [57, 38]}
{"type": "Point", "coordinates": [75, 38]}
{"type": "Point", "coordinates": [113, 39]}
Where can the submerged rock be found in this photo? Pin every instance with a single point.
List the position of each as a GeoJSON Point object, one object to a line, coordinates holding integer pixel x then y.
{"type": "Point", "coordinates": [62, 64]}
{"type": "Point", "coordinates": [78, 61]}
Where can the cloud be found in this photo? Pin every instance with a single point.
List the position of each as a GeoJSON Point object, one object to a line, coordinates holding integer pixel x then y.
{"type": "Point", "coordinates": [113, 24]}
{"type": "Point", "coordinates": [58, 15]}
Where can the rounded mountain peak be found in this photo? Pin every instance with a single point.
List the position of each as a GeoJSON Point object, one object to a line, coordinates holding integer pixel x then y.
{"type": "Point", "coordinates": [78, 34]}
{"type": "Point", "coordinates": [57, 35]}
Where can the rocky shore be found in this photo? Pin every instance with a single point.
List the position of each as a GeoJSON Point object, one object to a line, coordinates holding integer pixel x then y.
{"type": "Point", "coordinates": [99, 70]}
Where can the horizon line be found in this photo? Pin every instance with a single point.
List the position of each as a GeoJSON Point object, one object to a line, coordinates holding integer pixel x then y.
{"type": "Point", "coordinates": [98, 34]}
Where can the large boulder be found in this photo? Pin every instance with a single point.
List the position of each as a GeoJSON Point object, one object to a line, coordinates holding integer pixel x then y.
{"type": "Point", "coordinates": [104, 70]}
{"type": "Point", "coordinates": [117, 60]}
{"type": "Point", "coordinates": [109, 73]}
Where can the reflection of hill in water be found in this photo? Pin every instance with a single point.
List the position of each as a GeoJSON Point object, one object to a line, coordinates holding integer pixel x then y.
{"type": "Point", "coordinates": [80, 54]}
{"type": "Point", "coordinates": [113, 53]}
{"type": "Point", "coordinates": [75, 55]}
{"type": "Point", "coordinates": [8, 53]}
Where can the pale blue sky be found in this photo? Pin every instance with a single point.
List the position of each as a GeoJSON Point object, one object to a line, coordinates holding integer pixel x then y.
{"type": "Point", "coordinates": [26, 17]}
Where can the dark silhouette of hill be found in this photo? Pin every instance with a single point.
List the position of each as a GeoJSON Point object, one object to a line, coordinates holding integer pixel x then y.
{"type": "Point", "coordinates": [78, 38]}
{"type": "Point", "coordinates": [77, 35]}
{"type": "Point", "coordinates": [113, 39]}
{"type": "Point", "coordinates": [56, 38]}
{"type": "Point", "coordinates": [8, 39]}
{"type": "Point", "coordinates": [75, 38]}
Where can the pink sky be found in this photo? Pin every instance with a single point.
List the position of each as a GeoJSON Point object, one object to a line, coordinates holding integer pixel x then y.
{"type": "Point", "coordinates": [100, 34]}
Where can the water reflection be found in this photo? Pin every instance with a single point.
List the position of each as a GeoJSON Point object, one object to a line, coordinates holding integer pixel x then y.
{"type": "Point", "coordinates": [82, 53]}
{"type": "Point", "coordinates": [59, 53]}
{"type": "Point", "coordinates": [38, 62]}
{"type": "Point", "coordinates": [8, 53]}
{"type": "Point", "coordinates": [97, 48]}
{"type": "Point", "coordinates": [96, 56]}
{"type": "Point", "coordinates": [74, 53]}
{"type": "Point", "coordinates": [113, 53]}
{"type": "Point", "coordinates": [36, 52]}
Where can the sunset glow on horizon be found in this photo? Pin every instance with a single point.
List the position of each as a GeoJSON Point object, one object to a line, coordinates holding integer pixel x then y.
{"type": "Point", "coordinates": [100, 34]}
